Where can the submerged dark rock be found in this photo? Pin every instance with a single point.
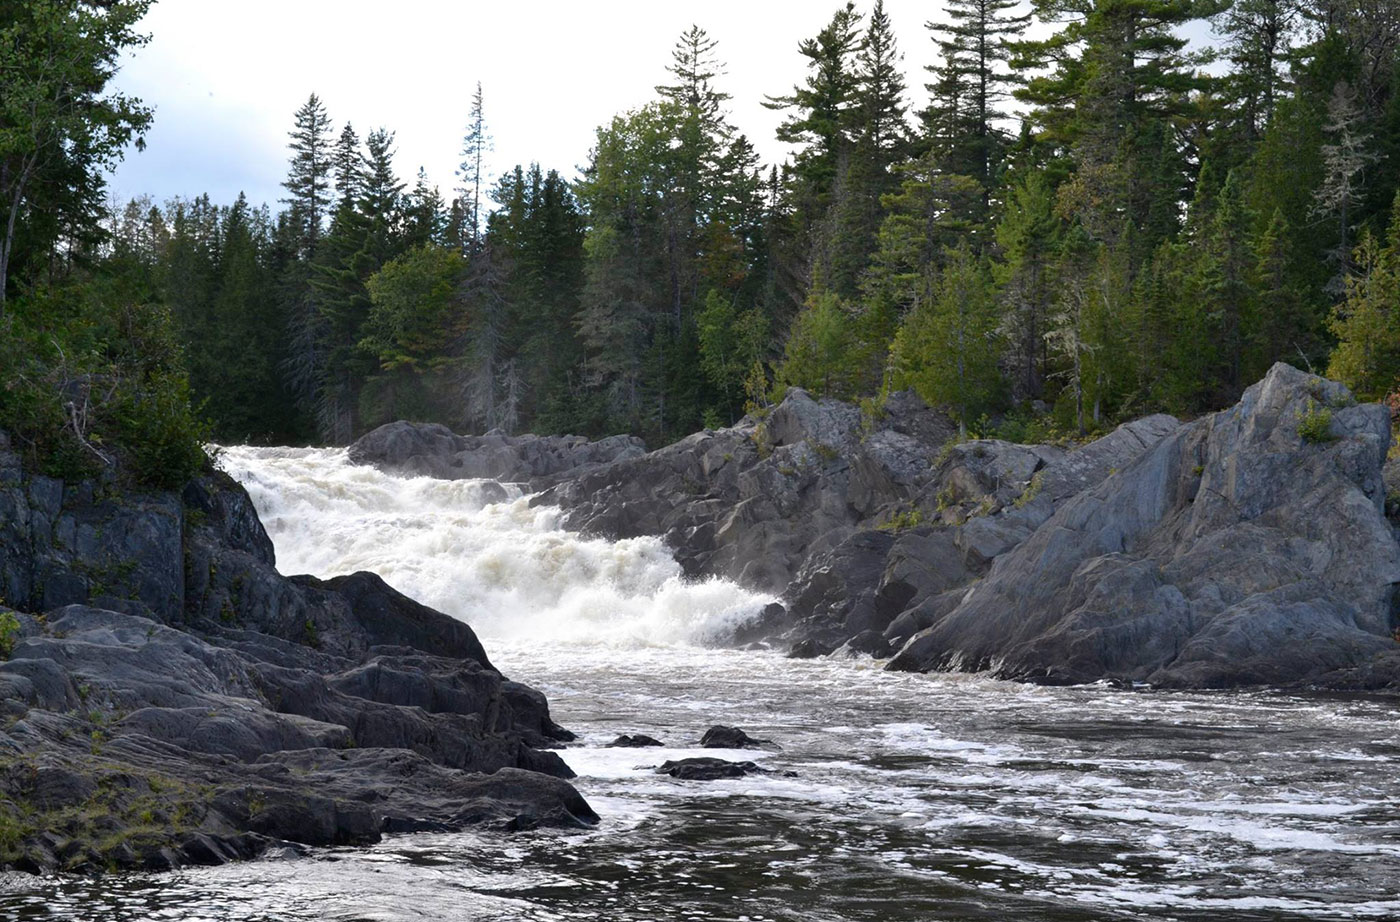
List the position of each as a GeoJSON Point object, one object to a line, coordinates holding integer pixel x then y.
{"type": "Point", "coordinates": [706, 769]}
{"type": "Point", "coordinates": [718, 737]}
{"type": "Point", "coordinates": [433, 450]}
{"type": "Point", "coordinates": [634, 741]}
{"type": "Point", "coordinates": [171, 699]}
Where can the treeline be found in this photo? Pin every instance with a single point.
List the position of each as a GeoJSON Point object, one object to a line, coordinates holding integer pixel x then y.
{"type": "Point", "coordinates": [1078, 228]}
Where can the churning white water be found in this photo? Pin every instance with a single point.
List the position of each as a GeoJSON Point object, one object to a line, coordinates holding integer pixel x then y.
{"type": "Point", "coordinates": [915, 798]}
{"type": "Point", "coordinates": [477, 550]}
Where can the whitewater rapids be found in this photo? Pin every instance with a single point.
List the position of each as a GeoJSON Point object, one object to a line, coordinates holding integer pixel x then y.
{"type": "Point", "coordinates": [478, 551]}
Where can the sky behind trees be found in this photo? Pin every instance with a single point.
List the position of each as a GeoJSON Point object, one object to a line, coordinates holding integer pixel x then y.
{"type": "Point", "coordinates": [226, 77]}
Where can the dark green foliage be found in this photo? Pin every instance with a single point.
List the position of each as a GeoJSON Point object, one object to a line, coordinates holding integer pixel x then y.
{"type": "Point", "coordinates": [60, 128]}
{"type": "Point", "coordinates": [948, 346]}
{"type": "Point", "coordinates": [94, 386]}
{"type": "Point", "coordinates": [1152, 236]}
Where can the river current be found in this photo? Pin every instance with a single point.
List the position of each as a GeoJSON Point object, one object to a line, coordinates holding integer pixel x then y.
{"type": "Point", "coordinates": [920, 798]}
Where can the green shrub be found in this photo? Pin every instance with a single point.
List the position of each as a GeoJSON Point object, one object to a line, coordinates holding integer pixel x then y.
{"type": "Point", "coordinates": [9, 633]}
{"type": "Point", "coordinates": [902, 520]}
{"type": "Point", "coordinates": [1315, 426]}
{"type": "Point", "coordinates": [95, 385]}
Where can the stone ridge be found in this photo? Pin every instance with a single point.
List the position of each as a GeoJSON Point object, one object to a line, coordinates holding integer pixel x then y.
{"type": "Point", "coordinates": [1249, 547]}
{"type": "Point", "coordinates": [433, 450]}
{"type": "Point", "coordinates": [1236, 551]}
{"type": "Point", "coordinates": [169, 698]}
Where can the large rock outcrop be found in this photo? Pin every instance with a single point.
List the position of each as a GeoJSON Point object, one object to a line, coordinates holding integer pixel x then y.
{"type": "Point", "coordinates": [1230, 551]}
{"type": "Point", "coordinates": [1249, 547]}
{"type": "Point", "coordinates": [433, 450]}
{"type": "Point", "coordinates": [170, 698]}
{"type": "Point", "coordinates": [753, 502]}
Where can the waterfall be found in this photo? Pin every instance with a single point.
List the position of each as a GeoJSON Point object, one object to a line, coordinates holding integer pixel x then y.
{"type": "Point", "coordinates": [479, 551]}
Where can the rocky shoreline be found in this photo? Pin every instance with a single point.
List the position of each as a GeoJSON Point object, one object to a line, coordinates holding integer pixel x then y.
{"type": "Point", "coordinates": [1249, 547]}
{"type": "Point", "coordinates": [169, 698]}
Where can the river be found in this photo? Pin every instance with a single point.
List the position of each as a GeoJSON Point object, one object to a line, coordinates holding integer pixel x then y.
{"type": "Point", "coordinates": [928, 798]}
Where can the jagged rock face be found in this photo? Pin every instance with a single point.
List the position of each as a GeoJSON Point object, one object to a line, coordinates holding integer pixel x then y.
{"type": "Point", "coordinates": [1234, 551]}
{"type": "Point", "coordinates": [752, 502]}
{"type": "Point", "coordinates": [164, 669]}
{"type": "Point", "coordinates": [980, 500]}
{"type": "Point", "coordinates": [433, 450]}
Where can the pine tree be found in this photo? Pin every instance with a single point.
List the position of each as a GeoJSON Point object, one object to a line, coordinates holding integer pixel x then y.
{"type": "Point", "coordinates": [1257, 34]}
{"type": "Point", "coordinates": [820, 109]}
{"type": "Point", "coordinates": [476, 143]}
{"type": "Point", "coordinates": [308, 176]}
{"type": "Point", "coordinates": [695, 66]}
{"type": "Point", "coordinates": [970, 86]}
{"type": "Point", "coordinates": [1117, 73]}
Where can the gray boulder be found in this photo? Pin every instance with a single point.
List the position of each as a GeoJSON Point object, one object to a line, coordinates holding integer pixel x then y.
{"type": "Point", "coordinates": [1234, 551]}
{"type": "Point", "coordinates": [433, 450]}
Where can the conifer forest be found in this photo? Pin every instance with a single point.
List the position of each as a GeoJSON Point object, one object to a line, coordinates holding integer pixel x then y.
{"type": "Point", "coordinates": [1091, 220]}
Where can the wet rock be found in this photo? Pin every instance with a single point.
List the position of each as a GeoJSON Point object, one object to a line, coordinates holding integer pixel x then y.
{"type": "Point", "coordinates": [810, 648]}
{"type": "Point", "coordinates": [719, 737]}
{"type": "Point", "coordinates": [634, 741]}
{"type": "Point", "coordinates": [210, 709]}
{"type": "Point", "coordinates": [435, 451]}
{"type": "Point", "coordinates": [754, 501]}
{"type": "Point", "coordinates": [866, 643]}
{"type": "Point", "coordinates": [707, 769]}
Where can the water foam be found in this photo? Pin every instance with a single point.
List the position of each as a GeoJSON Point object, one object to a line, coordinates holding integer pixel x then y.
{"type": "Point", "coordinates": [479, 551]}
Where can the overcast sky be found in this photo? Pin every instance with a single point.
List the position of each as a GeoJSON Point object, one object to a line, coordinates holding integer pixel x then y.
{"type": "Point", "coordinates": [226, 77]}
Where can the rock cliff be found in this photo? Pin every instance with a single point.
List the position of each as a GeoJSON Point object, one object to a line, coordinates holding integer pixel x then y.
{"type": "Point", "coordinates": [170, 698]}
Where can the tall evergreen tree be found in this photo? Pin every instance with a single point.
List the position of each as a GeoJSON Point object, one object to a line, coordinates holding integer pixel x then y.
{"type": "Point", "coordinates": [476, 143]}
{"type": "Point", "coordinates": [60, 125]}
{"type": "Point", "coordinates": [971, 84]}
{"type": "Point", "coordinates": [309, 174]}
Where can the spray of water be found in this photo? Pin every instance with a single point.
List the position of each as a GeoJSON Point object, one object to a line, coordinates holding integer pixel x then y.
{"type": "Point", "coordinates": [480, 552]}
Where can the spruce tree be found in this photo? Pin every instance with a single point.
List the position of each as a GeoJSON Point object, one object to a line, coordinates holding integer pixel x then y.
{"type": "Point", "coordinates": [1027, 237]}
{"type": "Point", "coordinates": [349, 166]}
{"type": "Point", "coordinates": [878, 139]}
{"type": "Point", "coordinates": [1367, 321]}
{"type": "Point", "coordinates": [948, 346]}
{"type": "Point", "coordinates": [970, 86]}
{"type": "Point", "coordinates": [308, 175]}
{"type": "Point", "coordinates": [476, 143]}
